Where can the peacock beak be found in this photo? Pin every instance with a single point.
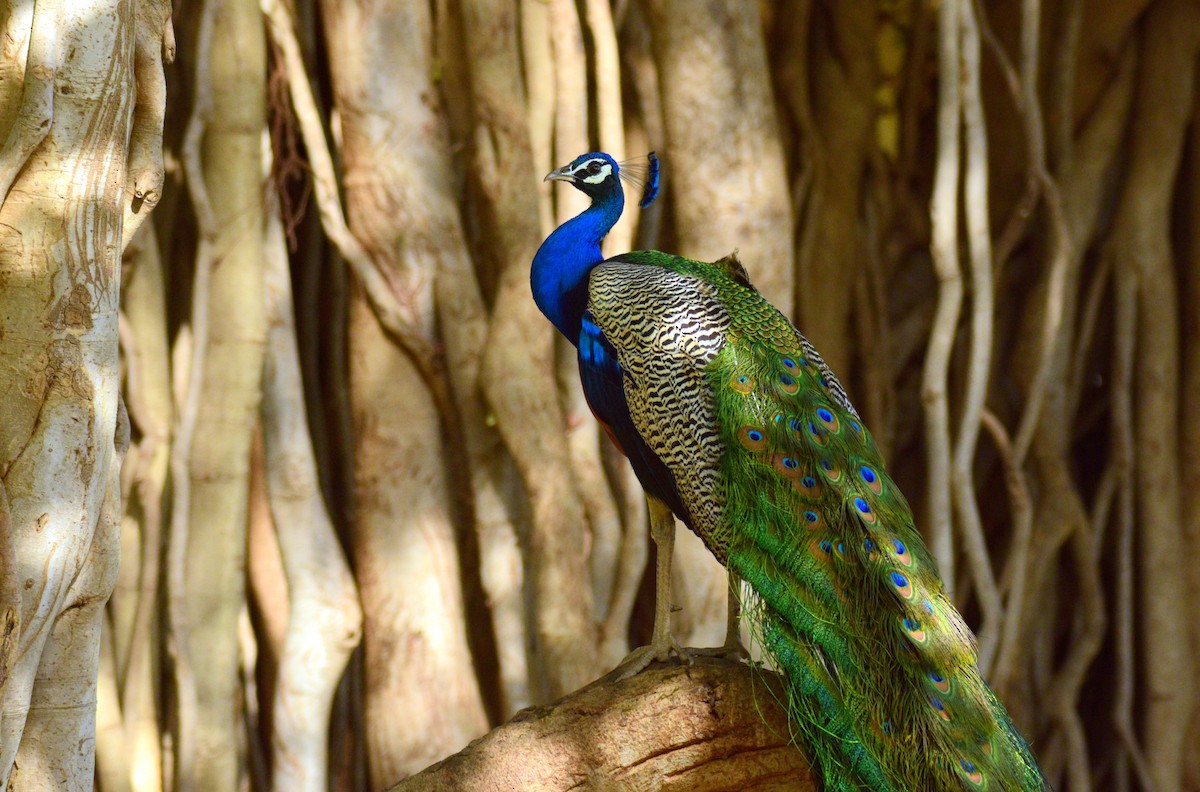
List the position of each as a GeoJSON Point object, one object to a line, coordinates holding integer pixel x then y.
{"type": "Point", "coordinates": [560, 174]}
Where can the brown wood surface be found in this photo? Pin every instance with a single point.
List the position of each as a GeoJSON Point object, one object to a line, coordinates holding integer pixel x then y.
{"type": "Point", "coordinates": [713, 725]}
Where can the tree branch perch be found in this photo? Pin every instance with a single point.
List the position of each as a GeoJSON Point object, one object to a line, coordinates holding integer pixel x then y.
{"type": "Point", "coordinates": [714, 725]}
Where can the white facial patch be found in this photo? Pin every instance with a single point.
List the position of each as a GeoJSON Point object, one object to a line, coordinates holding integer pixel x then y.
{"type": "Point", "coordinates": [582, 174]}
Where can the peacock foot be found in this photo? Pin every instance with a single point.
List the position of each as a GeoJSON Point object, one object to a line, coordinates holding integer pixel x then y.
{"type": "Point", "coordinates": [636, 661]}
{"type": "Point", "coordinates": [730, 650]}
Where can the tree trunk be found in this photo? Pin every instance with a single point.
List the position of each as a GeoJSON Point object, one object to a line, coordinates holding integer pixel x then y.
{"type": "Point", "coordinates": [724, 158]}
{"type": "Point", "coordinates": [323, 613]}
{"type": "Point", "coordinates": [844, 81]}
{"type": "Point", "coordinates": [1141, 244]}
{"type": "Point", "coordinates": [226, 378]}
{"type": "Point", "coordinates": [65, 168]}
{"type": "Point", "coordinates": [422, 697]}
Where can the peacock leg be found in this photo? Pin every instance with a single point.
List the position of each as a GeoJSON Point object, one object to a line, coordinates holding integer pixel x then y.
{"type": "Point", "coordinates": [733, 624]}
{"type": "Point", "coordinates": [662, 531]}
{"type": "Point", "coordinates": [732, 648]}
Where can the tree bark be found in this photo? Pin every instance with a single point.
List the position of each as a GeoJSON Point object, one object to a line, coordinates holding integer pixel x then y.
{"type": "Point", "coordinates": [64, 164]}
{"type": "Point", "coordinates": [844, 79]}
{"type": "Point", "coordinates": [1141, 244]}
{"type": "Point", "coordinates": [1190, 434]}
{"type": "Point", "coordinates": [422, 696]}
{"type": "Point", "coordinates": [228, 362]}
{"type": "Point", "coordinates": [707, 727]}
{"type": "Point", "coordinates": [323, 614]}
{"type": "Point", "coordinates": [134, 748]}
{"type": "Point", "coordinates": [725, 168]}
{"type": "Point", "coordinates": [463, 321]}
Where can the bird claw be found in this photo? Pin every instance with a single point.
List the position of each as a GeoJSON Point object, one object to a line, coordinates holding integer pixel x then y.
{"type": "Point", "coordinates": [637, 660]}
{"type": "Point", "coordinates": [730, 650]}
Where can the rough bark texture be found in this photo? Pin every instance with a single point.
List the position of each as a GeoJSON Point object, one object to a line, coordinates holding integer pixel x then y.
{"type": "Point", "coordinates": [421, 691]}
{"type": "Point", "coordinates": [715, 725]}
{"type": "Point", "coordinates": [1190, 440]}
{"type": "Point", "coordinates": [65, 122]}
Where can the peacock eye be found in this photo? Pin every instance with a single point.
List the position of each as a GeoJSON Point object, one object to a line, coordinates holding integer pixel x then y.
{"type": "Point", "coordinates": [593, 167]}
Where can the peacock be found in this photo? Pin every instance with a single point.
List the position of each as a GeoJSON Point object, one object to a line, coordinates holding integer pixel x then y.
{"type": "Point", "coordinates": [734, 424]}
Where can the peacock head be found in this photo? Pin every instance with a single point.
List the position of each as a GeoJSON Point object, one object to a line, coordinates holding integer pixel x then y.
{"type": "Point", "coordinates": [598, 175]}
{"type": "Point", "coordinates": [594, 174]}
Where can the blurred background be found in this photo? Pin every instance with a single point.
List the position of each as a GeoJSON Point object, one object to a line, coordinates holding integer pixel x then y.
{"type": "Point", "coordinates": [364, 490]}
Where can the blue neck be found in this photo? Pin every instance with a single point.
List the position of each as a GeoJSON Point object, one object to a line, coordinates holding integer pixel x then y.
{"type": "Point", "coordinates": [563, 262]}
